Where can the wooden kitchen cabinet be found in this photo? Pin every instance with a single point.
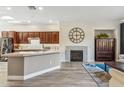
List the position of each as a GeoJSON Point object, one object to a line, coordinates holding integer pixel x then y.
{"type": "Point", "coordinates": [11, 34]}
{"type": "Point", "coordinates": [25, 37]}
{"type": "Point", "coordinates": [20, 37]}
{"type": "Point", "coordinates": [55, 37]}
{"type": "Point", "coordinates": [31, 34]}
{"type": "Point", "coordinates": [4, 34]}
{"type": "Point", "coordinates": [42, 37]}
{"type": "Point", "coordinates": [48, 37]}
{"type": "Point", "coordinates": [37, 34]}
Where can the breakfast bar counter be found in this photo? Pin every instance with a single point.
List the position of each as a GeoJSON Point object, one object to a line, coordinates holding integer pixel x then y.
{"type": "Point", "coordinates": [25, 65]}
{"type": "Point", "coordinates": [30, 53]}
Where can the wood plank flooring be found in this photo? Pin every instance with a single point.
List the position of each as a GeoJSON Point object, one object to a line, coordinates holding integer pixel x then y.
{"type": "Point", "coordinates": [70, 75]}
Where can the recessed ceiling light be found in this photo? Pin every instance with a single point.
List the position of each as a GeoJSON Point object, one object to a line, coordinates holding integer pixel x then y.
{"type": "Point", "coordinates": [28, 21]}
{"type": "Point", "coordinates": [40, 8]}
{"type": "Point", "coordinates": [8, 8]}
{"type": "Point", "coordinates": [50, 21]}
{"type": "Point", "coordinates": [7, 18]}
{"type": "Point", "coordinates": [20, 21]}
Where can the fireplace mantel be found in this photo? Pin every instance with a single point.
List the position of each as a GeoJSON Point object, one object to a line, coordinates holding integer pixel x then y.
{"type": "Point", "coordinates": [69, 48]}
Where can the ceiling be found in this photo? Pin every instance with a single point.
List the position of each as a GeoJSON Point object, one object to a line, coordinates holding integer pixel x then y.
{"type": "Point", "coordinates": [56, 14]}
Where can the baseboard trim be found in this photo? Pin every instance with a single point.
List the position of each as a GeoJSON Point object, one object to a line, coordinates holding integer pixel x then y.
{"type": "Point", "coordinates": [15, 77]}
{"type": "Point", "coordinates": [32, 74]}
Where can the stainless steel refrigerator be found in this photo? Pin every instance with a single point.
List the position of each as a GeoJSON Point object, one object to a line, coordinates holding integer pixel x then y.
{"type": "Point", "coordinates": [6, 45]}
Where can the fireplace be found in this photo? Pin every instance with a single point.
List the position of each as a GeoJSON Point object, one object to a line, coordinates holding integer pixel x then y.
{"type": "Point", "coordinates": [76, 55]}
{"type": "Point", "coordinates": [84, 50]}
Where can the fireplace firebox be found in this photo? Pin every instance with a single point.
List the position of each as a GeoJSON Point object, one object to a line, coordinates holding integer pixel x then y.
{"type": "Point", "coordinates": [76, 55]}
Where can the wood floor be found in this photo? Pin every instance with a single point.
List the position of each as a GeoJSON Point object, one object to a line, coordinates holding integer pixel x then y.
{"type": "Point", "coordinates": [70, 75]}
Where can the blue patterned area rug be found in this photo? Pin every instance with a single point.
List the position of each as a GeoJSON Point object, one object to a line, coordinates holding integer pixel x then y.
{"type": "Point", "coordinates": [98, 74]}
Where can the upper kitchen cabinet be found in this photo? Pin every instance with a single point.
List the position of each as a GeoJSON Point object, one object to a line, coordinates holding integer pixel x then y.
{"type": "Point", "coordinates": [55, 37]}
{"type": "Point", "coordinates": [42, 37]}
{"type": "Point", "coordinates": [25, 37]}
{"type": "Point", "coordinates": [37, 34]}
{"type": "Point", "coordinates": [4, 34]}
{"type": "Point", "coordinates": [20, 37]}
{"type": "Point", "coordinates": [31, 34]}
{"type": "Point", "coordinates": [48, 37]}
{"type": "Point", "coordinates": [11, 34]}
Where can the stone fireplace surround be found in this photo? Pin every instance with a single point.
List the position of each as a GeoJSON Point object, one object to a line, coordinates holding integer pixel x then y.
{"type": "Point", "coordinates": [69, 48]}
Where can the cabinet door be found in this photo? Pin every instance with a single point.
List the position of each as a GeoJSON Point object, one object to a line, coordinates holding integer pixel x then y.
{"type": "Point", "coordinates": [105, 49]}
{"type": "Point", "coordinates": [4, 34]}
{"type": "Point", "coordinates": [31, 34]}
{"type": "Point", "coordinates": [42, 37]}
{"type": "Point", "coordinates": [25, 37]}
{"type": "Point", "coordinates": [20, 37]}
{"type": "Point", "coordinates": [37, 34]}
{"type": "Point", "coordinates": [48, 37]}
{"type": "Point", "coordinates": [55, 37]}
{"type": "Point", "coordinates": [11, 34]}
{"type": "Point", "coordinates": [17, 37]}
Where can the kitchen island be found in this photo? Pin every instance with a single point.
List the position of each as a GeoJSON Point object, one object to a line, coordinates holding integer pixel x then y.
{"type": "Point", "coordinates": [25, 65]}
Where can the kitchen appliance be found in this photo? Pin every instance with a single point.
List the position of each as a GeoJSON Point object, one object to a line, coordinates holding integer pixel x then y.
{"type": "Point", "coordinates": [6, 45]}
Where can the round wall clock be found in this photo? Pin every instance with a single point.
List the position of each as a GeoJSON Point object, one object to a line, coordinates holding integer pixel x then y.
{"type": "Point", "coordinates": [76, 35]}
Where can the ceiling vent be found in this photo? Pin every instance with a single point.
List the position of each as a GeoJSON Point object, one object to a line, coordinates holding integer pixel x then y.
{"type": "Point", "coordinates": [32, 7]}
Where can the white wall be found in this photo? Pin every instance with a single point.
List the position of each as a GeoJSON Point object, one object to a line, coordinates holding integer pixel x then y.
{"type": "Point", "coordinates": [88, 40]}
{"type": "Point", "coordinates": [64, 31]}
{"type": "Point", "coordinates": [8, 27]}
{"type": "Point", "coordinates": [89, 35]}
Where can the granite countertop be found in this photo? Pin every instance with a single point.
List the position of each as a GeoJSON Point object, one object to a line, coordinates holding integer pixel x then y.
{"type": "Point", "coordinates": [30, 53]}
{"type": "Point", "coordinates": [117, 65]}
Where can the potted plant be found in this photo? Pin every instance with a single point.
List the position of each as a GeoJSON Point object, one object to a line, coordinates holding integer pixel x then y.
{"type": "Point", "coordinates": [102, 35]}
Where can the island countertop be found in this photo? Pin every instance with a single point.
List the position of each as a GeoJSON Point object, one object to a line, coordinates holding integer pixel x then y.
{"type": "Point", "coordinates": [30, 53]}
{"type": "Point", "coordinates": [117, 65]}
{"type": "Point", "coordinates": [27, 64]}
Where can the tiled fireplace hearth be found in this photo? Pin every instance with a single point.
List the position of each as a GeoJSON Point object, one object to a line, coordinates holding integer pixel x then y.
{"type": "Point", "coordinates": [69, 49]}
